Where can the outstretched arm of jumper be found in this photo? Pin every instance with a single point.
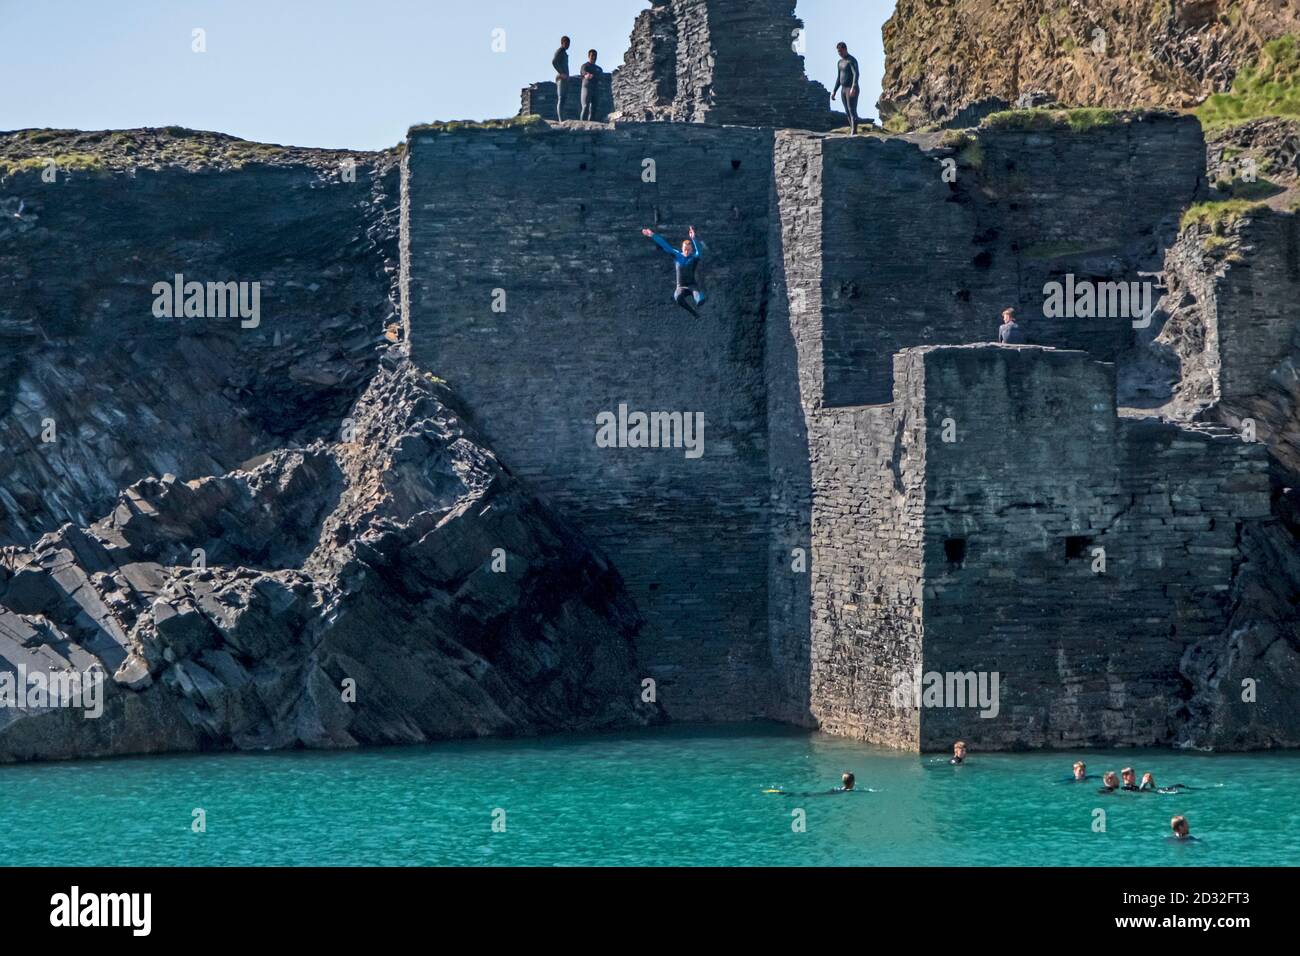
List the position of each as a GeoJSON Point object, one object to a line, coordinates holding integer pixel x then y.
{"type": "Point", "coordinates": [665, 245]}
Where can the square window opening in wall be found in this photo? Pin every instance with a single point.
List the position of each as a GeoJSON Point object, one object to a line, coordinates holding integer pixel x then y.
{"type": "Point", "coordinates": [1076, 546]}
{"type": "Point", "coordinates": [954, 549]}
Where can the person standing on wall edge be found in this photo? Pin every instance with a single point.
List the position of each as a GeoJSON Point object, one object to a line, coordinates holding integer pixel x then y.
{"type": "Point", "coordinates": [560, 62]}
{"type": "Point", "coordinates": [590, 80]}
{"type": "Point", "coordinates": [847, 78]}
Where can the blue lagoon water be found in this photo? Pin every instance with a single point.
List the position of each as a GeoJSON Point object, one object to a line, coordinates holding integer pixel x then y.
{"type": "Point", "coordinates": [685, 796]}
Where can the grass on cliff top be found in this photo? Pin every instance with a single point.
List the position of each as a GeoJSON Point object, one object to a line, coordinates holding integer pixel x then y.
{"type": "Point", "coordinates": [1268, 87]}
{"type": "Point", "coordinates": [1079, 119]}
{"type": "Point", "coordinates": [63, 161]}
{"type": "Point", "coordinates": [90, 150]}
{"type": "Point", "coordinates": [453, 126]}
{"type": "Point", "coordinates": [1220, 214]}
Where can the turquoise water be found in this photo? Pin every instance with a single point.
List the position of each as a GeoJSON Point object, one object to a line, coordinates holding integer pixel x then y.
{"type": "Point", "coordinates": [684, 796]}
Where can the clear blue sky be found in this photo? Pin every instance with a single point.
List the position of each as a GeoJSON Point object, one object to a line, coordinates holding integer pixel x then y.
{"type": "Point", "coordinates": [337, 73]}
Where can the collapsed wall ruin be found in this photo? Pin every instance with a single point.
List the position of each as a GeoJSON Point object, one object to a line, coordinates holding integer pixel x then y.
{"type": "Point", "coordinates": [713, 61]}
{"type": "Point", "coordinates": [808, 561]}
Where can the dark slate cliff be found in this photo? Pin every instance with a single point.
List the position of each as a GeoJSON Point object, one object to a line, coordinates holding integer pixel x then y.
{"type": "Point", "coordinates": [125, 394]}
{"type": "Point", "coordinates": [394, 587]}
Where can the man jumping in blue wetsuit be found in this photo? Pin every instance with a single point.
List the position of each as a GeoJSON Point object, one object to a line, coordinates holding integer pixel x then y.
{"type": "Point", "coordinates": [686, 261]}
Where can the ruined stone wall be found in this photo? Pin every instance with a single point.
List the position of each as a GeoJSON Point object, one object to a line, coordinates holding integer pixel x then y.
{"type": "Point", "coordinates": [722, 62]}
{"type": "Point", "coordinates": [801, 568]}
{"type": "Point", "coordinates": [1037, 475]}
{"type": "Point", "coordinates": [646, 84]}
{"type": "Point", "coordinates": [869, 473]}
{"type": "Point", "coordinates": [1228, 340]}
{"type": "Point", "coordinates": [587, 324]}
{"type": "Point", "coordinates": [539, 99]}
{"type": "Point", "coordinates": [912, 258]}
{"type": "Point", "coordinates": [1257, 313]}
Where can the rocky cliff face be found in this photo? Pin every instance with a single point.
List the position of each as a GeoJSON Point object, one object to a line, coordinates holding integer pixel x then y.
{"type": "Point", "coordinates": [97, 391]}
{"type": "Point", "coordinates": [1224, 348]}
{"type": "Point", "coordinates": [394, 587]}
{"type": "Point", "coordinates": [944, 56]}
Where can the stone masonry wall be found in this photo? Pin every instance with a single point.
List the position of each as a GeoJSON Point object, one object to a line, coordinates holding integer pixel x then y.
{"type": "Point", "coordinates": [720, 62]}
{"type": "Point", "coordinates": [911, 259]}
{"type": "Point", "coordinates": [799, 568]}
{"type": "Point", "coordinates": [587, 325]}
{"type": "Point", "coordinates": [646, 84]}
{"type": "Point", "coordinates": [1039, 473]}
{"type": "Point", "coordinates": [539, 99]}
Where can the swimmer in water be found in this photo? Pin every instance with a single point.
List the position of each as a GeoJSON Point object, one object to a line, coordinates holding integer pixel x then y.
{"type": "Point", "coordinates": [1109, 782]}
{"type": "Point", "coordinates": [1129, 776]}
{"type": "Point", "coordinates": [1080, 771]}
{"type": "Point", "coordinates": [1182, 832]}
{"type": "Point", "coordinates": [1149, 783]}
{"type": "Point", "coordinates": [848, 782]}
{"type": "Point", "coordinates": [958, 753]}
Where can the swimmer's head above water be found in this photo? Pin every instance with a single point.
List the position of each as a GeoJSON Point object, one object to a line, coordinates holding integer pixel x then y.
{"type": "Point", "coordinates": [1110, 780]}
{"type": "Point", "coordinates": [1148, 782]}
{"type": "Point", "coordinates": [1181, 830]}
{"type": "Point", "coordinates": [1129, 777]}
{"type": "Point", "coordinates": [1080, 770]}
{"type": "Point", "coordinates": [848, 780]}
{"type": "Point", "coordinates": [958, 752]}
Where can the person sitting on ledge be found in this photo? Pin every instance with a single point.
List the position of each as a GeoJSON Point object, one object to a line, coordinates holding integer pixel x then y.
{"type": "Point", "coordinates": [687, 262]}
{"type": "Point", "coordinates": [1182, 832]}
{"type": "Point", "coordinates": [848, 780]}
{"type": "Point", "coordinates": [560, 63]}
{"type": "Point", "coordinates": [958, 752]}
{"type": "Point", "coordinates": [590, 78]}
{"type": "Point", "coordinates": [1010, 332]}
{"type": "Point", "coordinates": [1109, 782]}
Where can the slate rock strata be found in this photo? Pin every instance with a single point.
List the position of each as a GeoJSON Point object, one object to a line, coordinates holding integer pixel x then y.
{"type": "Point", "coordinates": [370, 560]}
{"type": "Point", "coordinates": [131, 395]}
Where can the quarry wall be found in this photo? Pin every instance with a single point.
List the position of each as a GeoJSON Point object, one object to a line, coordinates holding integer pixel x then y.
{"type": "Point", "coordinates": [929, 245]}
{"type": "Point", "coordinates": [791, 570]}
{"type": "Point", "coordinates": [587, 326]}
{"type": "Point", "coordinates": [1093, 550]}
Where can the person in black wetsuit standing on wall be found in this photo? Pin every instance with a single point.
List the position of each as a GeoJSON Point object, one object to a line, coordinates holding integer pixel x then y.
{"type": "Point", "coordinates": [560, 62]}
{"type": "Point", "coordinates": [847, 79]}
{"type": "Point", "coordinates": [687, 262]}
{"type": "Point", "coordinates": [590, 85]}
